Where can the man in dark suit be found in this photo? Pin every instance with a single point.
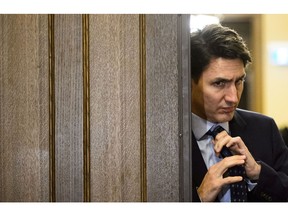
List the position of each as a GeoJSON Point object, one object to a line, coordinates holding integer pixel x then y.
{"type": "Point", "coordinates": [219, 57]}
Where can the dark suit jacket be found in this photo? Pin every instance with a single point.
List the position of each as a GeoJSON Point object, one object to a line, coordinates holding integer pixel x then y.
{"type": "Point", "coordinates": [262, 138]}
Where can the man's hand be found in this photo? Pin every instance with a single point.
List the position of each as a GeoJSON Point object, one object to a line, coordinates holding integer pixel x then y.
{"type": "Point", "coordinates": [214, 181]}
{"type": "Point", "coordinates": [237, 146]}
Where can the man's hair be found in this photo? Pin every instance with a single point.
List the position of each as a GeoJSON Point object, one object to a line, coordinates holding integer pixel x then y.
{"type": "Point", "coordinates": [215, 41]}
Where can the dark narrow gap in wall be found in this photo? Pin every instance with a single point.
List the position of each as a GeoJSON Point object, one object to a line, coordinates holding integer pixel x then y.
{"type": "Point", "coordinates": [52, 178]}
{"type": "Point", "coordinates": [143, 159]}
{"type": "Point", "coordinates": [86, 108]}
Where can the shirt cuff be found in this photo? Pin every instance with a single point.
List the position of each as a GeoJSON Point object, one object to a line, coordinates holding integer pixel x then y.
{"type": "Point", "coordinates": [250, 184]}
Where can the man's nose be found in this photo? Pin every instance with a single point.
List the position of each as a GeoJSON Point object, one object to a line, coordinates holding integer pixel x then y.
{"type": "Point", "coordinates": [231, 94]}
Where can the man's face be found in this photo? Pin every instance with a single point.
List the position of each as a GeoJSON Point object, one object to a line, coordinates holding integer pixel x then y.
{"type": "Point", "coordinates": [218, 92]}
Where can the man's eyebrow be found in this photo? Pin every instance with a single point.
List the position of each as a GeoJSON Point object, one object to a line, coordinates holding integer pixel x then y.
{"type": "Point", "coordinates": [242, 77]}
{"type": "Point", "coordinates": [221, 79]}
{"type": "Point", "coordinates": [218, 79]}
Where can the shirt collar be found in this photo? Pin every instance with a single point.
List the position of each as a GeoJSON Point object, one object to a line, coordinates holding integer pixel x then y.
{"type": "Point", "coordinates": [200, 126]}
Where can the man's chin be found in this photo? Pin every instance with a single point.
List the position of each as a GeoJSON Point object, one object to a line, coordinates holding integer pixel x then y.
{"type": "Point", "coordinates": [225, 117]}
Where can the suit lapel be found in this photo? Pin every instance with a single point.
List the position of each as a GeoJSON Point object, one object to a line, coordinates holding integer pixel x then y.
{"type": "Point", "coordinates": [199, 168]}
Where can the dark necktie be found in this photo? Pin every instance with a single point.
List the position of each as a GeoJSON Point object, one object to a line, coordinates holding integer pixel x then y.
{"type": "Point", "coordinates": [238, 189]}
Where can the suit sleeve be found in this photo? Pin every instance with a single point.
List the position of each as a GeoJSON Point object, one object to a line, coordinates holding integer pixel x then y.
{"type": "Point", "coordinates": [273, 180]}
{"type": "Point", "coordinates": [195, 195]}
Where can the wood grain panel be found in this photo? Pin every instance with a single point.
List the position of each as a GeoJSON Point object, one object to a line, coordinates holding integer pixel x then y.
{"type": "Point", "coordinates": [68, 108]}
{"type": "Point", "coordinates": [162, 108]}
{"type": "Point", "coordinates": [24, 109]}
{"type": "Point", "coordinates": [115, 108]}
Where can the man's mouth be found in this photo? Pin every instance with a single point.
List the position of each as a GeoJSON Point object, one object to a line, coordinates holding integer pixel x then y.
{"type": "Point", "coordinates": [228, 109]}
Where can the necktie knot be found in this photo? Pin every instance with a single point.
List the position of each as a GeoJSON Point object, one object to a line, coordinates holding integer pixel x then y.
{"type": "Point", "coordinates": [214, 130]}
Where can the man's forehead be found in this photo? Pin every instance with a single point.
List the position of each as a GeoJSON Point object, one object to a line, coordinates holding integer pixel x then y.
{"type": "Point", "coordinates": [225, 68]}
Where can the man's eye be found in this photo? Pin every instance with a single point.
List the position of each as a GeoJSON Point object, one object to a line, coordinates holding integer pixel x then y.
{"type": "Point", "coordinates": [219, 84]}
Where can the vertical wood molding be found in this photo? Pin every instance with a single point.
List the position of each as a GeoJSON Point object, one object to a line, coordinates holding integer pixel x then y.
{"type": "Point", "coordinates": [52, 188]}
{"type": "Point", "coordinates": [142, 37]}
{"type": "Point", "coordinates": [185, 139]}
{"type": "Point", "coordinates": [86, 108]}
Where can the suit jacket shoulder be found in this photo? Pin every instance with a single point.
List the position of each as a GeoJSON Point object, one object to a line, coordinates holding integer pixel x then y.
{"type": "Point", "coordinates": [244, 117]}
